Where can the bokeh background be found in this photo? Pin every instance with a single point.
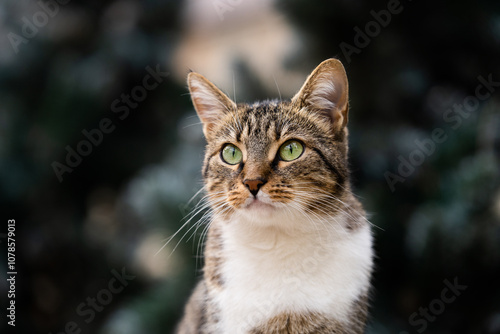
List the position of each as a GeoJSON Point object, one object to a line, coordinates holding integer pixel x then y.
{"type": "Point", "coordinates": [80, 62]}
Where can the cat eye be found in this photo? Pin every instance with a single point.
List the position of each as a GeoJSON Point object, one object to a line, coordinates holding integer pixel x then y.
{"type": "Point", "coordinates": [231, 154]}
{"type": "Point", "coordinates": [291, 150]}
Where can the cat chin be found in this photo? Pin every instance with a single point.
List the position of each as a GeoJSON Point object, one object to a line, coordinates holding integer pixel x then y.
{"type": "Point", "coordinates": [262, 213]}
{"type": "Point", "coordinates": [256, 204]}
{"type": "Point", "coordinates": [257, 211]}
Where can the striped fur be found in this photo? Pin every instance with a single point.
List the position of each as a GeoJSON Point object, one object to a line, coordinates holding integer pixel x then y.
{"type": "Point", "coordinates": [297, 257]}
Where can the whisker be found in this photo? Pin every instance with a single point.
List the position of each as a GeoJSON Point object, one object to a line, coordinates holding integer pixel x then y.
{"type": "Point", "coordinates": [276, 82]}
{"type": "Point", "coordinates": [203, 204]}
{"type": "Point", "coordinates": [346, 205]}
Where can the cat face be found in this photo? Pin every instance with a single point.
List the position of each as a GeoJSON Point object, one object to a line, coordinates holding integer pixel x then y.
{"type": "Point", "coordinates": [276, 157]}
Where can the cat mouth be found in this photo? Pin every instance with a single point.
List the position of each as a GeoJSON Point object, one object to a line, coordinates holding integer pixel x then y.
{"type": "Point", "coordinates": [256, 203]}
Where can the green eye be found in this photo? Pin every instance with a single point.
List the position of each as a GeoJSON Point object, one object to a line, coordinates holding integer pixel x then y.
{"type": "Point", "coordinates": [231, 154]}
{"type": "Point", "coordinates": [291, 150]}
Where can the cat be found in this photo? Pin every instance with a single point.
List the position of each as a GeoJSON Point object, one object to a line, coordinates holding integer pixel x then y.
{"type": "Point", "coordinates": [289, 248]}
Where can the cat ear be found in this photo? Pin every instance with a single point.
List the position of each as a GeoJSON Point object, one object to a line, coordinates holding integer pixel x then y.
{"type": "Point", "coordinates": [326, 92]}
{"type": "Point", "coordinates": [209, 101]}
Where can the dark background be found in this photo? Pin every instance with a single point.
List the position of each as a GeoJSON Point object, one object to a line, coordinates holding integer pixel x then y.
{"type": "Point", "coordinates": [119, 205]}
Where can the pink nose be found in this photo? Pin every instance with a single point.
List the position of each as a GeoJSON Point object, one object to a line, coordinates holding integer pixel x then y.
{"type": "Point", "coordinates": [254, 185]}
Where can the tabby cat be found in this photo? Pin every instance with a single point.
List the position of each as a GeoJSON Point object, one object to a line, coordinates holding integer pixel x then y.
{"type": "Point", "coordinates": [289, 249]}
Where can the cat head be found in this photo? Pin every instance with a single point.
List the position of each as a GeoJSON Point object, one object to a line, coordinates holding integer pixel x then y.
{"type": "Point", "coordinates": [276, 157]}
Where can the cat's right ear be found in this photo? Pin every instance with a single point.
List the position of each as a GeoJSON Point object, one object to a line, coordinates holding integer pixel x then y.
{"type": "Point", "coordinates": [210, 102]}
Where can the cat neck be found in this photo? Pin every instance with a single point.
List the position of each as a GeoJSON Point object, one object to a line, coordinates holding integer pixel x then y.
{"type": "Point", "coordinates": [297, 265]}
{"type": "Point", "coordinates": [284, 231]}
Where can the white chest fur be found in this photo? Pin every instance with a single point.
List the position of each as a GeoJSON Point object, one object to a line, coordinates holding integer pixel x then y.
{"type": "Point", "coordinates": [267, 272]}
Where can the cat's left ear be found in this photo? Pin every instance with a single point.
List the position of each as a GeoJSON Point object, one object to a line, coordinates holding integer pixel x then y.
{"type": "Point", "coordinates": [210, 102]}
{"type": "Point", "coordinates": [326, 92]}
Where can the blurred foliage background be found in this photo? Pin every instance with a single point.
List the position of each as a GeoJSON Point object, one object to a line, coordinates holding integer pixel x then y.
{"type": "Point", "coordinates": [65, 66]}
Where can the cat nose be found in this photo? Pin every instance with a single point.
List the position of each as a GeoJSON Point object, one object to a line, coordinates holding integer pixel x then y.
{"type": "Point", "coordinates": [254, 185]}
